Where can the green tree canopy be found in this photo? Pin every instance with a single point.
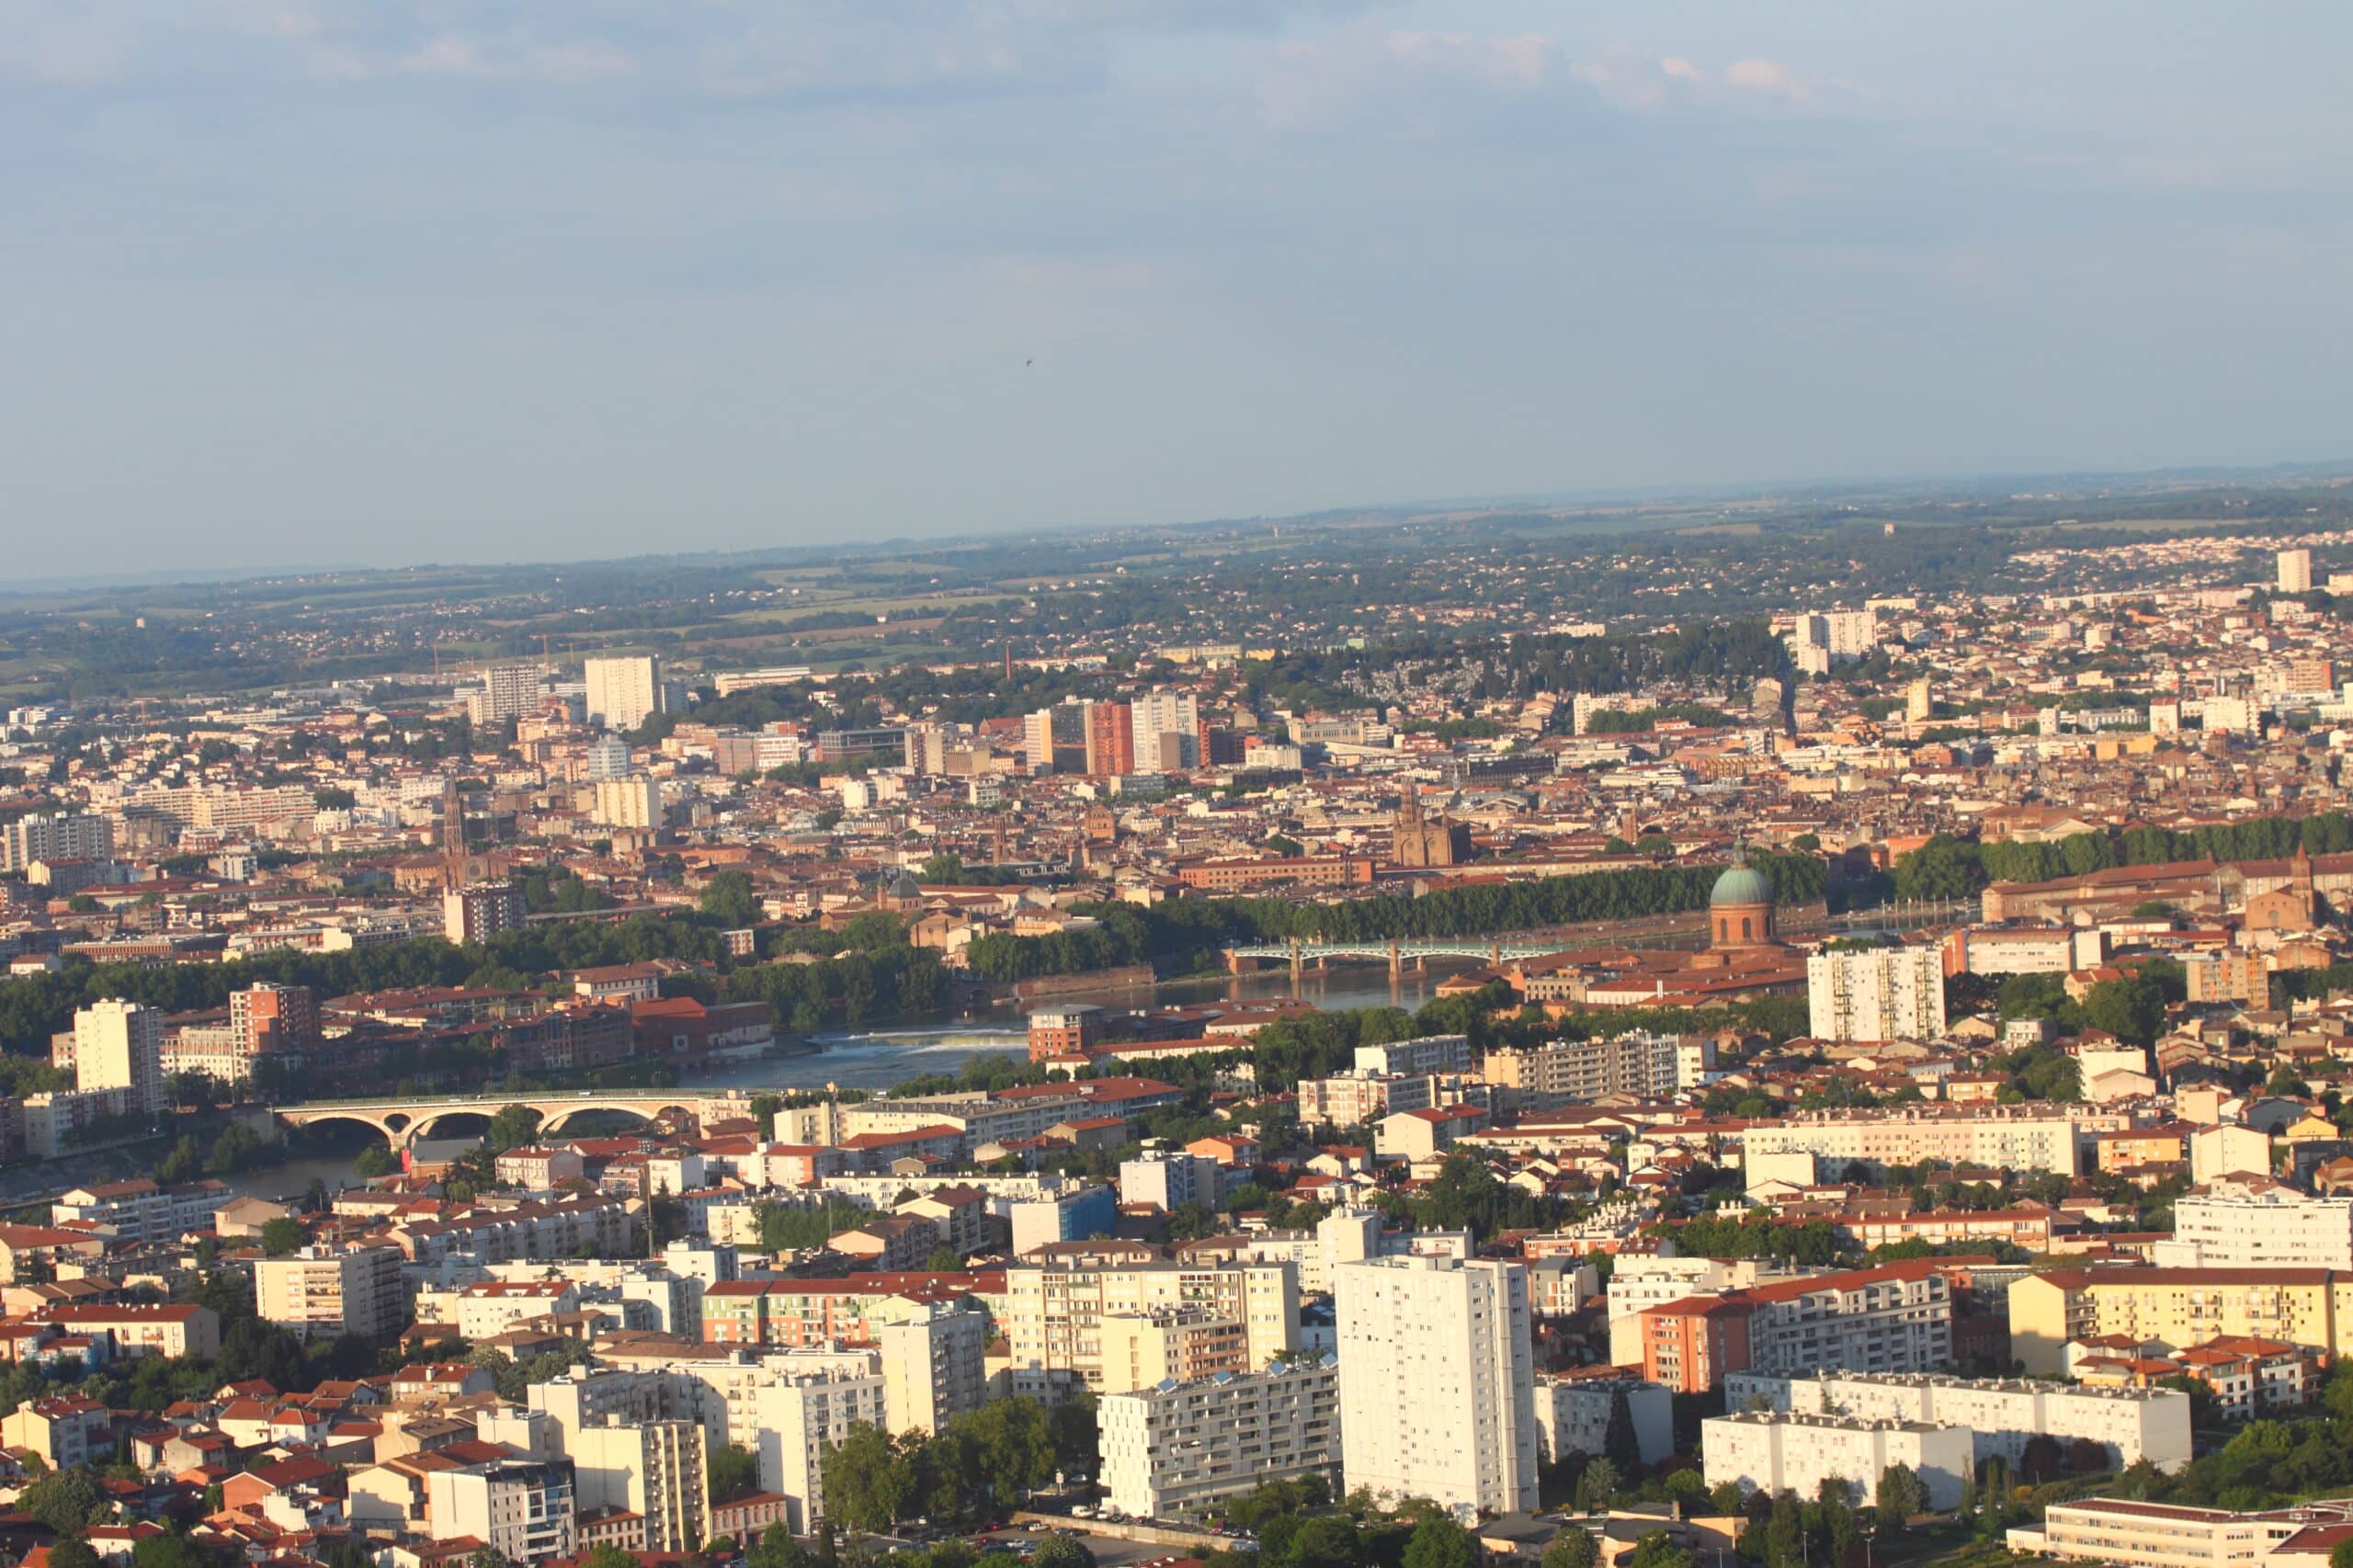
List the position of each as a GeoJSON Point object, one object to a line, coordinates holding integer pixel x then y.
{"type": "Point", "coordinates": [513, 1127]}
{"type": "Point", "coordinates": [1062, 1552]}
{"type": "Point", "coordinates": [728, 898]}
{"type": "Point", "coordinates": [1900, 1494]}
{"type": "Point", "coordinates": [732, 1471]}
{"type": "Point", "coordinates": [1438, 1542]}
{"type": "Point", "coordinates": [1573, 1548]}
{"type": "Point", "coordinates": [281, 1237]}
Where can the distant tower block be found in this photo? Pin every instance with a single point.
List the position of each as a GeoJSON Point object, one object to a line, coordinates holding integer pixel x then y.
{"type": "Point", "coordinates": [1917, 703]}
{"type": "Point", "coordinates": [2295, 571]}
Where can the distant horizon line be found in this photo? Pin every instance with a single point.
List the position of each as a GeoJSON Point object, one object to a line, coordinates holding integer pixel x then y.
{"type": "Point", "coordinates": [30, 586]}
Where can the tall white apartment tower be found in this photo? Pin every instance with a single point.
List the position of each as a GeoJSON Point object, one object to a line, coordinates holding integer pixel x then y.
{"type": "Point", "coordinates": [623, 693]}
{"type": "Point", "coordinates": [507, 691]}
{"type": "Point", "coordinates": [1175, 716]}
{"type": "Point", "coordinates": [1886, 993]}
{"type": "Point", "coordinates": [119, 1045]}
{"type": "Point", "coordinates": [1438, 1381]}
{"type": "Point", "coordinates": [608, 758]}
{"type": "Point", "coordinates": [2295, 571]}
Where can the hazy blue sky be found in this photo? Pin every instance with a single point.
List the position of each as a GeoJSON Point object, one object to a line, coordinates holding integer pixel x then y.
{"type": "Point", "coordinates": [303, 280]}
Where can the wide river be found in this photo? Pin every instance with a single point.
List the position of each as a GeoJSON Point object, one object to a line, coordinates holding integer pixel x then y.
{"type": "Point", "coordinates": [864, 1060]}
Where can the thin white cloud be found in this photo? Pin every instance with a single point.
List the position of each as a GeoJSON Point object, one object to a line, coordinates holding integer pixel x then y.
{"type": "Point", "coordinates": [466, 57]}
{"type": "Point", "coordinates": [1638, 82]}
{"type": "Point", "coordinates": [1765, 76]}
{"type": "Point", "coordinates": [1519, 63]}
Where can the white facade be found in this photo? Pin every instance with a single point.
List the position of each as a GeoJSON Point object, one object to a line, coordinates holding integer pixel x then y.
{"type": "Point", "coordinates": [507, 691]}
{"type": "Point", "coordinates": [1894, 1318]}
{"type": "Point", "coordinates": [2295, 571]}
{"type": "Point", "coordinates": [653, 1468]}
{"type": "Point", "coordinates": [526, 1511]}
{"type": "Point", "coordinates": [1436, 1381]}
{"type": "Point", "coordinates": [1580, 1071]}
{"type": "Point", "coordinates": [933, 1367]}
{"type": "Point", "coordinates": [2168, 1535]}
{"type": "Point", "coordinates": [1171, 713]}
{"type": "Point", "coordinates": [330, 1291]}
{"type": "Point", "coordinates": [59, 837]}
{"type": "Point", "coordinates": [1886, 993]}
{"type": "Point", "coordinates": [623, 693]}
{"type": "Point", "coordinates": [1775, 1452]}
{"type": "Point", "coordinates": [2241, 1225]}
{"type": "Point", "coordinates": [1573, 1417]}
{"type": "Point", "coordinates": [1169, 1179]}
{"type": "Point", "coordinates": [119, 1045]}
{"type": "Point", "coordinates": [1054, 1314]}
{"type": "Point", "coordinates": [1429, 1053]}
{"type": "Point", "coordinates": [2005, 1413]}
{"type": "Point", "coordinates": [1170, 1449]}
{"type": "Point", "coordinates": [607, 756]}
{"type": "Point", "coordinates": [1832, 634]}
{"type": "Point", "coordinates": [799, 1419]}
{"type": "Point", "coordinates": [632, 800]}
{"type": "Point", "coordinates": [1997, 1138]}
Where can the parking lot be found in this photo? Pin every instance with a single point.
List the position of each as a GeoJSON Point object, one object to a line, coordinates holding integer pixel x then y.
{"type": "Point", "coordinates": [1110, 1552]}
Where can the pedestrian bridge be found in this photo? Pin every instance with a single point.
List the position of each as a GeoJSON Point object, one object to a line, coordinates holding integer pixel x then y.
{"type": "Point", "coordinates": [401, 1120]}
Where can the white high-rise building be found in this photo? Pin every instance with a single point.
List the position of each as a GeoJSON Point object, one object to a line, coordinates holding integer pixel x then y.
{"type": "Point", "coordinates": [623, 693]}
{"type": "Point", "coordinates": [653, 1468]}
{"type": "Point", "coordinates": [62, 836]}
{"type": "Point", "coordinates": [800, 1419]}
{"type": "Point", "coordinates": [608, 758]}
{"type": "Point", "coordinates": [1171, 714]}
{"type": "Point", "coordinates": [2295, 571]}
{"type": "Point", "coordinates": [1834, 635]}
{"type": "Point", "coordinates": [933, 1367]}
{"type": "Point", "coordinates": [507, 691]}
{"type": "Point", "coordinates": [1883, 994]}
{"type": "Point", "coordinates": [1438, 1381]}
{"type": "Point", "coordinates": [119, 1045]}
{"type": "Point", "coordinates": [634, 800]}
{"type": "Point", "coordinates": [522, 1510]}
{"type": "Point", "coordinates": [328, 1291]}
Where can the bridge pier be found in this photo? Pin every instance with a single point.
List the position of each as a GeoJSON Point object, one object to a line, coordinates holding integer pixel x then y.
{"type": "Point", "coordinates": [1295, 963]}
{"type": "Point", "coordinates": [1393, 970]}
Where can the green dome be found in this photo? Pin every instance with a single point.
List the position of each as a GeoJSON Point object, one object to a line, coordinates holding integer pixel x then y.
{"type": "Point", "coordinates": [1739, 884]}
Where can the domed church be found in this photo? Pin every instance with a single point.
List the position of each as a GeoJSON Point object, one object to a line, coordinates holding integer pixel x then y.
{"type": "Point", "coordinates": [1745, 957]}
{"type": "Point", "coordinates": [1740, 907]}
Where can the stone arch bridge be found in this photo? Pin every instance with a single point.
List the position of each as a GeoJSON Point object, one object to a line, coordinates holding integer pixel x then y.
{"type": "Point", "coordinates": [403, 1120]}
